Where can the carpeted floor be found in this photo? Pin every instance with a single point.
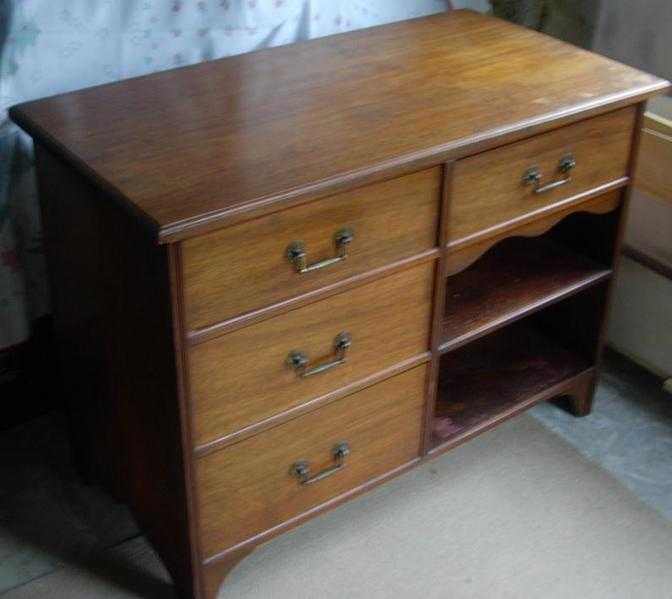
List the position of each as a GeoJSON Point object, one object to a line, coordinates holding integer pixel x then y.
{"type": "Point", "coordinates": [629, 432]}
{"type": "Point", "coordinates": [518, 512]}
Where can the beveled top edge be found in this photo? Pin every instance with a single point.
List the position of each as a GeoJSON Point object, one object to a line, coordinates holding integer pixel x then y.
{"type": "Point", "coordinates": [402, 165]}
{"type": "Point", "coordinates": [172, 212]}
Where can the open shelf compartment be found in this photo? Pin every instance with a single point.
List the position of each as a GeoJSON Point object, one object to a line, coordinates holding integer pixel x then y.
{"type": "Point", "coordinates": [501, 374]}
{"type": "Point", "coordinates": [523, 324]}
{"type": "Point", "coordinates": [515, 278]}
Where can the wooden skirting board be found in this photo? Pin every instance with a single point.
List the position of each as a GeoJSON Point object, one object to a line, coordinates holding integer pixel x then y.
{"type": "Point", "coordinates": [654, 172]}
{"type": "Point", "coordinates": [650, 262]}
{"type": "Point", "coordinates": [654, 177]}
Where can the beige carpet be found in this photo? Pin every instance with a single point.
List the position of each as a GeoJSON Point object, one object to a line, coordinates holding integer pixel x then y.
{"type": "Point", "coordinates": [516, 513]}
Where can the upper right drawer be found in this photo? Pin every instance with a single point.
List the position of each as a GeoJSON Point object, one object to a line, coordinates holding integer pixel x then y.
{"type": "Point", "coordinates": [508, 185]}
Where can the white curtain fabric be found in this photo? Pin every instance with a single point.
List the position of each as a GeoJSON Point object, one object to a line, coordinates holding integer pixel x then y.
{"type": "Point", "coordinates": [53, 46]}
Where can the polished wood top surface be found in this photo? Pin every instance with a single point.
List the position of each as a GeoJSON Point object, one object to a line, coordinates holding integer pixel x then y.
{"type": "Point", "coordinates": [194, 148]}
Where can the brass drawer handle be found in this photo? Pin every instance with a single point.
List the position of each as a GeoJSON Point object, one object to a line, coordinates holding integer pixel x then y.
{"type": "Point", "coordinates": [299, 361]}
{"type": "Point", "coordinates": [297, 254]}
{"type": "Point", "coordinates": [301, 469]}
{"type": "Point", "coordinates": [533, 175]}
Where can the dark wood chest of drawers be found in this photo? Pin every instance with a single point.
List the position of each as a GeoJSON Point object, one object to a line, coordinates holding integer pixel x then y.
{"type": "Point", "coordinates": [283, 278]}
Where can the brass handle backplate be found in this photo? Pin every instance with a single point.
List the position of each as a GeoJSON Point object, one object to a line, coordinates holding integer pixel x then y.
{"type": "Point", "coordinates": [533, 175]}
{"type": "Point", "coordinates": [301, 469]}
{"type": "Point", "coordinates": [298, 255]}
{"type": "Point", "coordinates": [300, 363]}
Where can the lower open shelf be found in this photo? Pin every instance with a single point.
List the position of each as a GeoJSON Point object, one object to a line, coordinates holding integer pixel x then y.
{"type": "Point", "coordinates": [496, 376]}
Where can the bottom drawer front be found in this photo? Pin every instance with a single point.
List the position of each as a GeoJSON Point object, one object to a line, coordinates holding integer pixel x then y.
{"type": "Point", "coordinates": [254, 485]}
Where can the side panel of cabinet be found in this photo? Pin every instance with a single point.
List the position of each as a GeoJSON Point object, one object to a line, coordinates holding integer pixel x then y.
{"type": "Point", "coordinates": [113, 327]}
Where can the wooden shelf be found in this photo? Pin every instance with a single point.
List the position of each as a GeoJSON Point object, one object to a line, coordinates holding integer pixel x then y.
{"type": "Point", "coordinates": [513, 279]}
{"type": "Point", "coordinates": [498, 376]}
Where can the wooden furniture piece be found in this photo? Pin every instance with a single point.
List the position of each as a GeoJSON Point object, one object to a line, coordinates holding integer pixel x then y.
{"type": "Point", "coordinates": [654, 175]}
{"type": "Point", "coordinates": [654, 178]}
{"type": "Point", "coordinates": [283, 278]}
{"type": "Point", "coordinates": [641, 307]}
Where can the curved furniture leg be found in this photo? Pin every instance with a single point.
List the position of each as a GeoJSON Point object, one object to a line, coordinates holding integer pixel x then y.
{"type": "Point", "coordinates": [578, 399]}
{"type": "Point", "coordinates": [214, 574]}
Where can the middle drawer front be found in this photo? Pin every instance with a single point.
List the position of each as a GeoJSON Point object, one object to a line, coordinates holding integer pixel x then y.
{"type": "Point", "coordinates": [253, 486]}
{"type": "Point", "coordinates": [244, 377]}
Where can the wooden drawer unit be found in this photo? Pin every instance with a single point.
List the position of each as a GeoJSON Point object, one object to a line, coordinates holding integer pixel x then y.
{"type": "Point", "coordinates": [511, 184]}
{"type": "Point", "coordinates": [247, 266]}
{"type": "Point", "coordinates": [244, 377]}
{"type": "Point", "coordinates": [253, 486]}
{"type": "Point", "coordinates": [321, 266]}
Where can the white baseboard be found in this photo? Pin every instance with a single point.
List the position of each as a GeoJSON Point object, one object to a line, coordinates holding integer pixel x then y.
{"type": "Point", "coordinates": [641, 319]}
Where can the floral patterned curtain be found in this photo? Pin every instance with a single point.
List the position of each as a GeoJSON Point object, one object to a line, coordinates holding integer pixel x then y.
{"type": "Point", "coordinates": [52, 46]}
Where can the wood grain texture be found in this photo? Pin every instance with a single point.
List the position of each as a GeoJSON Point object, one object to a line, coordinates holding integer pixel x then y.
{"type": "Point", "coordinates": [292, 303]}
{"type": "Point", "coordinates": [438, 308]}
{"type": "Point", "coordinates": [601, 306]}
{"type": "Point", "coordinates": [461, 257]}
{"type": "Point", "coordinates": [214, 574]}
{"type": "Point", "coordinates": [193, 148]}
{"type": "Point", "coordinates": [578, 390]}
{"type": "Point", "coordinates": [488, 191]}
{"type": "Point", "coordinates": [182, 402]}
{"type": "Point", "coordinates": [248, 488]}
{"type": "Point", "coordinates": [112, 313]}
{"type": "Point", "coordinates": [314, 404]}
{"type": "Point", "coordinates": [656, 122]}
{"type": "Point", "coordinates": [514, 279]}
{"type": "Point", "coordinates": [577, 398]}
{"type": "Point", "coordinates": [333, 503]}
{"type": "Point", "coordinates": [491, 376]}
{"type": "Point", "coordinates": [198, 579]}
{"type": "Point", "coordinates": [654, 175]}
{"type": "Point", "coordinates": [240, 268]}
{"type": "Point", "coordinates": [242, 377]}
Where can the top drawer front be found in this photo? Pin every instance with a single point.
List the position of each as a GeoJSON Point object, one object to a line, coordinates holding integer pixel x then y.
{"type": "Point", "coordinates": [489, 190]}
{"type": "Point", "coordinates": [245, 266]}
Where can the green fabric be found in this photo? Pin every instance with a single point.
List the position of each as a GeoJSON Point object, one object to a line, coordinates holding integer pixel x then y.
{"type": "Point", "coordinates": [574, 21]}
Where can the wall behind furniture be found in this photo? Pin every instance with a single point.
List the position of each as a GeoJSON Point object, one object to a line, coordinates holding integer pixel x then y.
{"type": "Point", "coordinates": [641, 323]}
{"type": "Point", "coordinates": [637, 33]}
